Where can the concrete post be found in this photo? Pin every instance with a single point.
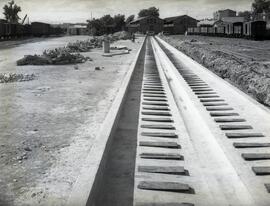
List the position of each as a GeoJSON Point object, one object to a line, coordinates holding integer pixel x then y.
{"type": "Point", "coordinates": [106, 46]}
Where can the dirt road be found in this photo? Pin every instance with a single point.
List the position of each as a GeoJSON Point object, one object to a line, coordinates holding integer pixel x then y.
{"type": "Point", "coordinates": [48, 125]}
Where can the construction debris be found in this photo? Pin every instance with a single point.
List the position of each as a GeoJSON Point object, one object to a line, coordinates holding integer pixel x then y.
{"type": "Point", "coordinates": [32, 60]}
{"type": "Point", "coordinates": [70, 53]}
{"type": "Point", "coordinates": [118, 47]}
{"type": "Point", "coordinates": [62, 56]}
{"type": "Point", "coordinates": [81, 46]}
{"type": "Point", "coordinates": [116, 53]}
{"type": "Point", "coordinates": [59, 56]}
{"type": "Point", "coordinates": [12, 77]}
{"type": "Point", "coordinates": [121, 35]}
{"type": "Point", "coordinates": [96, 42]}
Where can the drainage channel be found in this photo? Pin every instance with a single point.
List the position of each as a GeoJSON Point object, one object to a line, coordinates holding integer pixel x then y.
{"type": "Point", "coordinates": [116, 187]}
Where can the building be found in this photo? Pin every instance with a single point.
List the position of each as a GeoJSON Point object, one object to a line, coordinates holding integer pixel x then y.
{"type": "Point", "coordinates": [179, 24]}
{"type": "Point", "coordinates": [77, 30]}
{"type": "Point", "coordinates": [218, 15]}
{"type": "Point", "coordinates": [146, 24]}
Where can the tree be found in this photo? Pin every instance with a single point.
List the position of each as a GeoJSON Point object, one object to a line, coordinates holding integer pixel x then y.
{"type": "Point", "coordinates": [11, 12]}
{"type": "Point", "coordinates": [260, 6]}
{"type": "Point", "coordinates": [119, 22]}
{"type": "Point", "coordinates": [246, 14]}
{"type": "Point", "coordinates": [152, 11]}
{"type": "Point", "coordinates": [96, 27]}
{"type": "Point", "coordinates": [106, 24]}
{"type": "Point", "coordinates": [130, 19]}
{"type": "Point", "coordinates": [107, 20]}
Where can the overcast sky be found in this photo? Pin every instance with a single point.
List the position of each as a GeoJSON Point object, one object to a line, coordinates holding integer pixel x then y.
{"type": "Point", "coordinates": [58, 11]}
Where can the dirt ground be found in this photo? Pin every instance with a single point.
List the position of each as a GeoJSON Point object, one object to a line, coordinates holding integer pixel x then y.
{"type": "Point", "coordinates": [48, 125]}
{"type": "Point", "coordinates": [244, 63]}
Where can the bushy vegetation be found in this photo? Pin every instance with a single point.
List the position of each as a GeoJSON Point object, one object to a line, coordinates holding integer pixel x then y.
{"type": "Point", "coordinates": [107, 24]}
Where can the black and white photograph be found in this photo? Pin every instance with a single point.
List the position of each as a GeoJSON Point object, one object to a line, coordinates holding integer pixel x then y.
{"type": "Point", "coordinates": [135, 103]}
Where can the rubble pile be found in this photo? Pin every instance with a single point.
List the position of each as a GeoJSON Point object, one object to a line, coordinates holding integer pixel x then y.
{"type": "Point", "coordinates": [12, 77]}
{"type": "Point", "coordinates": [121, 35]}
{"type": "Point", "coordinates": [96, 42]}
{"type": "Point", "coordinates": [251, 77]}
{"type": "Point", "coordinates": [59, 56]}
{"type": "Point", "coordinates": [70, 53]}
{"type": "Point", "coordinates": [87, 45]}
{"type": "Point", "coordinates": [33, 60]}
{"type": "Point", "coordinates": [80, 46]}
{"type": "Point", "coordinates": [62, 56]}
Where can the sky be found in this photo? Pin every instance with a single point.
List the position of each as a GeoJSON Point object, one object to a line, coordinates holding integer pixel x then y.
{"type": "Point", "coordinates": [74, 11]}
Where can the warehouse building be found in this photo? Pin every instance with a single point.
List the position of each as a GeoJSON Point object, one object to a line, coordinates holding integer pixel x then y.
{"type": "Point", "coordinates": [178, 24]}
{"type": "Point", "coordinates": [146, 24]}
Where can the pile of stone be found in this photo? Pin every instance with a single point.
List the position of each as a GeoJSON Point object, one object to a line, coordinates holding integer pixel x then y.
{"type": "Point", "coordinates": [33, 60]}
{"type": "Point", "coordinates": [62, 56]}
{"type": "Point", "coordinates": [59, 56]}
{"type": "Point", "coordinates": [82, 46]}
{"type": "Point", "coordinates": [121, 35]}
{"type": "Point", "coordinates": [12, 77]}
{"type": "Point", "coordinates": [70, 53]}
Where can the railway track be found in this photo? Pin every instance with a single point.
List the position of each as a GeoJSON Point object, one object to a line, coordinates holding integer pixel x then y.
{"type": "Point", "coordinates": [180, 136]}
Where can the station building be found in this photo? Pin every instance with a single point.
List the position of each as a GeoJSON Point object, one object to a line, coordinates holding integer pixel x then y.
{"type": "Point", "coordinates": [178, 24]}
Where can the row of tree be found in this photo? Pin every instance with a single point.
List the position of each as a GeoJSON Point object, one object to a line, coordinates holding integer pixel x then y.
{"type": "Point", "coordinates": [108, 24]}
